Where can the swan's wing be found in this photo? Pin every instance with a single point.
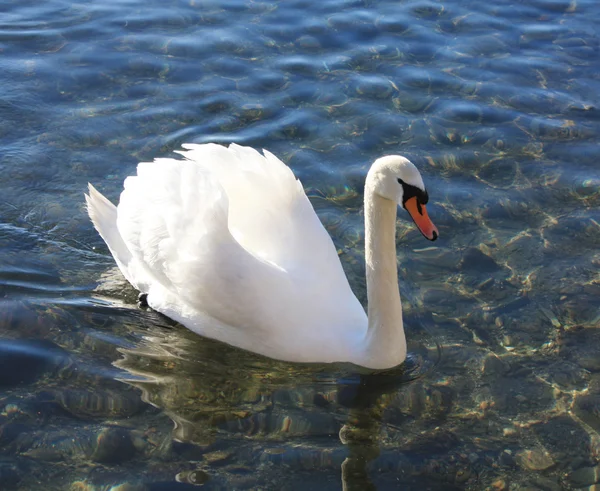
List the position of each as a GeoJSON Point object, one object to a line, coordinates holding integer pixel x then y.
{"type": "Point", "coordinates": [173, 218]}
{"type": "Point", "coordinates": [242, 245]}
{"type": "Point", "coordinates": [269, 213]}
{"type": "Point", "coordinates": [104, 217]}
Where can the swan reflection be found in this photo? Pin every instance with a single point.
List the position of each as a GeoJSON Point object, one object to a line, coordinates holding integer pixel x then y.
{"type": "Point", "coordinates": [220, 397]}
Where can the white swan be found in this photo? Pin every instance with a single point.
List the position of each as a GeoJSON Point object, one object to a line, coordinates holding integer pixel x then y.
{"type": "Point", "coordinates": [227, 243]}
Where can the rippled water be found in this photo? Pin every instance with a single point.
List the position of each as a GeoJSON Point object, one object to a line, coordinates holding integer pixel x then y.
{"type": "Point", "coordinates": [496, 102]}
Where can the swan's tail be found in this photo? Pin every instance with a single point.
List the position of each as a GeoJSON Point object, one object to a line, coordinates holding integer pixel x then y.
{"type": "Point", "coordinates": [104, 217]}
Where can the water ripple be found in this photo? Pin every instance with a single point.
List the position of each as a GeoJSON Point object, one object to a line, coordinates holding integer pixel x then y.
{"type": "Point", "coordinates": [496, 102]}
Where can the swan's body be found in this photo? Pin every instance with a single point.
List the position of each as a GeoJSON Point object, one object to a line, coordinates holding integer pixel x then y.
{"type": "Point", "coordinates": [226, 243]}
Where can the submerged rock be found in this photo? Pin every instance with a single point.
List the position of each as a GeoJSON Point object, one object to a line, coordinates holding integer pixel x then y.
{"type": "Point", "coordinates": [585, 476]}
{"type": "Point", "coordinates": [494, 366]}
{"type": "Point", "coordinates": [499, 485]}
{"type": "Point", "coordinates": [100, 403]}
{"type": "Point", "coordinates": [114, 446]}
{"type": "Point", "coordinates": [196, 477]}
{"type": "Point", "coordinates": [474, 259]}
{"type": "Point", "coordinates": [128, 486]}
{"type": "Point", "coordinates": [546, 484]}
{"type": "Point", "coordinates": [534, 460]}
{"type": "Point", "coordinates": [587, 408]}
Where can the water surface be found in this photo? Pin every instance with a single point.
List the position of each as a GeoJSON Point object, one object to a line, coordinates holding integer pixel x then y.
{"type": "Point", "coordinates": [498, 105]}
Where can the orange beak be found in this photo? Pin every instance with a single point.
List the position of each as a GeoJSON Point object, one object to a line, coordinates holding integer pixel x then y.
{"type": "Point", "coordinates": [418, 212]}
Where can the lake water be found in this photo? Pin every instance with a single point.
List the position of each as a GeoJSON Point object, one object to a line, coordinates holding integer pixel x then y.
{"type": "Point", "coordinates": [498, 103]}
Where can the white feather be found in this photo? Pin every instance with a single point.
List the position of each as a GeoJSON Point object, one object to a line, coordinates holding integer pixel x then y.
{"type": "Point", "coordinates": [227, 243]}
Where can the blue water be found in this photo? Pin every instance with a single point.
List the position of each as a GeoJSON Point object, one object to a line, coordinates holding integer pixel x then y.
{"type": "Point", "coordinates": [498, 103]}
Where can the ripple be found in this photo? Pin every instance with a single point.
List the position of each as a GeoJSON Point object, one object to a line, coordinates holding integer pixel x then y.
{"type": "Point", "coordinates": [398, 23]}
{"type": "Point", "coordinates": [372, 86]}
{"type": "Point", "coordinates": [299, 65]}
{"type": "Point", "coordinates": [496, 106]}
{"type": "Point", "coordinates": [538, 31]}
{"type": "Point", "coordinates": [473, 112]}
{"type": "Point", "coordinates": [163, 19]}
{"type": "Point", "coordinates": [261, 81]}
{"type": "Point", "coordinates": [23, 362]}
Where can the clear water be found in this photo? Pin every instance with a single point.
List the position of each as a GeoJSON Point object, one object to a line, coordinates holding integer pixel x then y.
{"type": "Point", "coordinates": [498, 103]}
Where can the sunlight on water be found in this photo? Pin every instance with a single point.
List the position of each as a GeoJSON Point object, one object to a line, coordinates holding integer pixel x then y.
{"type": "Point", "coordinates": [496, 103]}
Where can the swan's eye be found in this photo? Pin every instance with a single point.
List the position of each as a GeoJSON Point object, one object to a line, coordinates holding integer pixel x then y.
{"type": "Point", "coordinates": [410, 191]}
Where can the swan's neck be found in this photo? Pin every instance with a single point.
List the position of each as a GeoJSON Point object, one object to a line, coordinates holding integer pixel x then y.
{"type": "Point", "coordinates": [385, 341]}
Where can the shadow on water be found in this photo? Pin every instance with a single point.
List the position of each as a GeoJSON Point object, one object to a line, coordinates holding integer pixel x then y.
{"type": "Point", "coordinates": [225, 398]}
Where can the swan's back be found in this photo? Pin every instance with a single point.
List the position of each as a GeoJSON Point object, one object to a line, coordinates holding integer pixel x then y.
{"type": "Point", "coordinates": [226, 242]}
{"type": "Point", "coordinates": [269, 213]}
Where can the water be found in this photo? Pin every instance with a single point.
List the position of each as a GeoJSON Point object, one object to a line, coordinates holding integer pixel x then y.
{"type": "Point", "coordinates": [498, 105]}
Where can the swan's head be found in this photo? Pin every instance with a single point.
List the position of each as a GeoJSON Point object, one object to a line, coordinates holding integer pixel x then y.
{"type": "Point", "coordinates": [396, 178]}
